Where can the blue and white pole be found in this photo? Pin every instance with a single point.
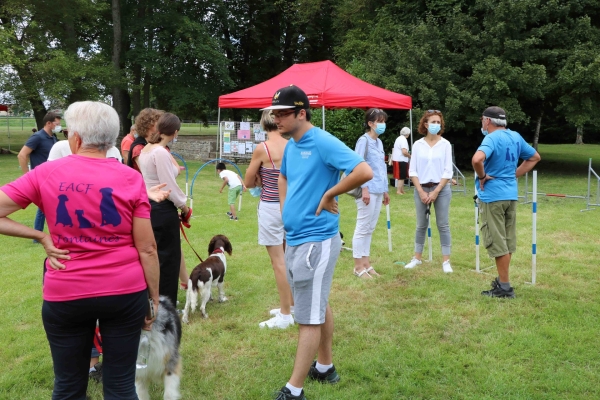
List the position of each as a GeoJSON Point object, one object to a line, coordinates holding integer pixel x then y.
{"type": "Point", "coordinates": [477, 234]}
{"type": "Point", "coordinates": [534, 229]}
{"type": "Point", "coordinates": [429, 232]}
{"type": "Point", "coordinates": [389, 226]}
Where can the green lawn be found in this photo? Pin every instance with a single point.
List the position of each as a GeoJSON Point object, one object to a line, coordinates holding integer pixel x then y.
{"type": "Point", "coordinates": [20, 130]}
{"type": "Point", "coordinates": [411, 334]}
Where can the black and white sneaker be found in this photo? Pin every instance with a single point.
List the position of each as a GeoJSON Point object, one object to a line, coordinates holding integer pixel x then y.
{"type": "Point", "coordinates": [285, 394]}
{"type": "Point", "coordinates": [96, 375]}
{"type": "Point", "coordinates": [229, 213]}
{"type": "Point", "coordinates": [330, 376]}
{"type": "Point", "coordinates": [497, 291]}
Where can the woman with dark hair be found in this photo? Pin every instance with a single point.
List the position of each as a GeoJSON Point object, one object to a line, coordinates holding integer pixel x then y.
{"type": "Point", "coordinates": [263, 171]}
{"type": "Point", "coordinates": [102, 262]}
{"type": "Point", "coordinates": [374, 192]}
{"type": "Point", "coordinates": [158, 166]}
{"type": "Point", "coordinates": [430, 170]}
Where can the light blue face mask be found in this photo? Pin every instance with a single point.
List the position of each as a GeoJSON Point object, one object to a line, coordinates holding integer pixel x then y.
{"type": "Point", "coordinates": [485, 132]}
{"type": "Point", "coordinates": [434, 128]}
{"type": "Point", "coordinates": [380, 128]}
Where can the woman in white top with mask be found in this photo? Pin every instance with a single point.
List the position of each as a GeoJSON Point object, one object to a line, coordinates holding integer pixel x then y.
{"type": "Point", "coordinates": [430, 170]}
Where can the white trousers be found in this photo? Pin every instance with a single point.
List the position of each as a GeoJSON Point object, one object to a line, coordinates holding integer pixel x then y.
{"type": "Point", "coordinates": [366, 221]}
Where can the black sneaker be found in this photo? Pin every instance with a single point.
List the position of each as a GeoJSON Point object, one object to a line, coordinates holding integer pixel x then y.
{"type": "Point", "coordinates": [330, 376]}
{"type": "Point", "coordinates": [229, 213]}
{"type": "Point", "coordinates": [97, 374]}
{"type": "Point", "coordinates": [231, 217]}
{"type": "Point", "coordinates": [497, 291]}
{"type": "Point", "coordinates": [285, 394]}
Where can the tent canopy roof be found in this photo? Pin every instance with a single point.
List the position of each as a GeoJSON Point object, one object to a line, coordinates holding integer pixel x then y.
{"type": "Point", "coordinates": [325, 84]}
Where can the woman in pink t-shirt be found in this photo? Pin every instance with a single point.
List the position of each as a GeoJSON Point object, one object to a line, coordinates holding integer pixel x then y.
{"type": "Point", "coordinates": [102, 262]}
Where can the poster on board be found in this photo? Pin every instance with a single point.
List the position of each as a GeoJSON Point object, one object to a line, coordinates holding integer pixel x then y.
{"type": "Point", "coordinates": [243, 134]}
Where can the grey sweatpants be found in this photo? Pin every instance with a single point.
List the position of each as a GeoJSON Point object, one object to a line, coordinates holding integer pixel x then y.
{"type": "Point", "coordinates": [310, 269]}
{"type": "Point", "coordinates": [442, 210]}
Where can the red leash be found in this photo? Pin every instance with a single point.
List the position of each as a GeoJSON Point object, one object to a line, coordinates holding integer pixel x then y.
{"type": "Point", "coordinates": [187, 240]}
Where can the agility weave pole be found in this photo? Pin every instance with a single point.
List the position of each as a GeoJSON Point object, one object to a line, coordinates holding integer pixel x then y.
{"type": "Point", "coordinates": [428, 214]}
{"type": "Point", "coordinates": [534, 230]}
{"type": "Point", "coordinates": [477, 264]}
{"type": "Point", "coordinates": [389, 226]}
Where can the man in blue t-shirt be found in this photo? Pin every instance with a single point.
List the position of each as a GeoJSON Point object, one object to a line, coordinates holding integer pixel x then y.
{"type": "Point", "coordinates": [36, 151]}
{"type": "Point", "coordinates": [309, 184]}
{"type": "Point", "coordinates": [495, 164]}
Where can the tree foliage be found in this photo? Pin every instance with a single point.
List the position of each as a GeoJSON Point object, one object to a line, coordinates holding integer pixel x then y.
{"type": "Point", "coordinates": [538, 59]}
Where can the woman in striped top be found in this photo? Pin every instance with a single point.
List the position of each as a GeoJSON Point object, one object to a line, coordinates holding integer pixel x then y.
{"type": "Point", "coordinates": [264, 171]}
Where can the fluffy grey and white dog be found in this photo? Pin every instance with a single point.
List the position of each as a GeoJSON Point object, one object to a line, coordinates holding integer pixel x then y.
{"type": "Point", "coordinates": [164, 361]}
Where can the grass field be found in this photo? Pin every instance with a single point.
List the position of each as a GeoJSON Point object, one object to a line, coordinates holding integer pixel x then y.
{"type": "Point", "coordinates": [411, 334]}
{"type": "Point", "coordinates": [20, 130]}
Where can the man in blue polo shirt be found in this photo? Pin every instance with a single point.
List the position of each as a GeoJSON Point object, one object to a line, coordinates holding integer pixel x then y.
{"type": "Point", "coordinates": [36, 151]}
{"type": "Point", "coordinates": [495, 164]}
{"type": "Point", "coordinates": [309, 184]}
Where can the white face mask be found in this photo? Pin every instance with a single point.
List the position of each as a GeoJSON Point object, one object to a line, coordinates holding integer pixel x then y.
{"type": "Point", "coordinates": [57, 129]}
{"type": "Point", "coordinates": [174, 140]}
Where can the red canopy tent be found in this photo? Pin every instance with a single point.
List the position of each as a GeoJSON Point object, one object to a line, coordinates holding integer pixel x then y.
{"type": "Point", "coordinates": [325, 84]}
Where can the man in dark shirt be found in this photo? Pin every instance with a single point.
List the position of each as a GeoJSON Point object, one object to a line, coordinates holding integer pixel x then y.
{"type": "Point", "coordinates": [36, 151]}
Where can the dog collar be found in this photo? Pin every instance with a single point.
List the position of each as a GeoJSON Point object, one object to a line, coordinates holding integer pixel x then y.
{"type": "Point", "coordinates": [216, 251]}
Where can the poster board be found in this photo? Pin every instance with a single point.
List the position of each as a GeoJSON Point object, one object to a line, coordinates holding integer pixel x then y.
{"type": "Point", "coordinates": [238, 139]}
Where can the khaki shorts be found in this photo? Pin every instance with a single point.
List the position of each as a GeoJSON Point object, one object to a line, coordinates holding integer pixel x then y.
{"type": "Point", "coordinates": [499, 227]}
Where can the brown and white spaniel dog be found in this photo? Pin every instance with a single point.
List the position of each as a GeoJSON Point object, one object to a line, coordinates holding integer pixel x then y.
{"type": "Point", "coordinates": [206, 274]}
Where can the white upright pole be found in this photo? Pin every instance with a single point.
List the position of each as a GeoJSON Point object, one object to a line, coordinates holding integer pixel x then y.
{"type": "Point", "coordinates": [534, 230]}
{"type": "Point", "coordinates": [389, 226]}
{"type": "Point", "coordinates": [219, 130]}
{"type": "Point", "coordinates": [589, 193]}
{"type": "Point", "coordinates": [323, 115]}
{"type": "Point", "coordinates": [411, 137]}
{"type": "Point", "coordinates": [411, 143]}
{"type": "Point", "coordinates": [240, 205]}
{"type": "Point", "coordinates": [476, 235]}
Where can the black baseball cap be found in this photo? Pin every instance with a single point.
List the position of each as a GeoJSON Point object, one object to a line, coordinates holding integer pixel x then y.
{"type": "Point", "coordinates": [289, 97]}
{"type": "Point", "coordinates": [494, 112]}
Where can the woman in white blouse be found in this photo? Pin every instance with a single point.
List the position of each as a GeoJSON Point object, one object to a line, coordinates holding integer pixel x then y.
{"type": "Point", "coordinates": [158, 166]}
{"type": "Point", "coordinates": [430, 170]}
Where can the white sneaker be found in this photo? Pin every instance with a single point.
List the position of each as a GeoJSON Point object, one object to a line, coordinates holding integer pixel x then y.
{"type": "Point", "coordinates": [413, 263]}
{"type": "Point", "coordinates": [277, 322]}
{"type": "Point", "coordinates": [276, 311]}
{"type": "Point", "coordinates": [446, 267]}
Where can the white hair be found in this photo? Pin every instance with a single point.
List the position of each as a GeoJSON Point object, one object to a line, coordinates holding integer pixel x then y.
{"type": "Point", "coordinates": [96, 123]}
{"type": "Point", "coordinates": [498, 122]}
{"type": "Point", "coordinates": [405, 131]}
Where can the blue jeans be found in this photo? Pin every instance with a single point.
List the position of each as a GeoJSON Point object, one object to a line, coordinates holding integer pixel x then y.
{"type": "Point", "coordinates": [40, 220]}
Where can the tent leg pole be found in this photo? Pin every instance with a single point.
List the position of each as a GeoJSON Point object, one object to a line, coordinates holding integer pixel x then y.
{"type": "Point", "coordinates": [411, 141]}
{"type": "Point", "coordinates": [219, 128]}
{"type": "Point", "coordinates": [323, 115]}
